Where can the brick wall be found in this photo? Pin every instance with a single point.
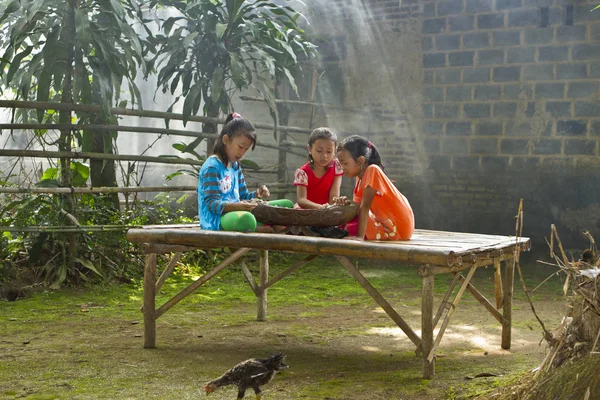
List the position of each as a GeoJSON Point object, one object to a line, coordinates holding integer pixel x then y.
{"type": "Point", "coordinates": [510, 109]}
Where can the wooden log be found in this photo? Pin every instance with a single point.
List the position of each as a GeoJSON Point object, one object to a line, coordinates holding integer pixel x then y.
{"type": "Point", "coordinates": [249, 278]}
{"type": "Point", "coordinates": [149, 302]}
{"type": "Point", "coordinates": [168, 270]}
{"type": "Point", "coordinates": [509, 277]}
{"type": "Point", "coordinates": [289, 271]}
{"type": "Point", "coordinates": [427, 325]}
{"type": "Point", "coordinates": [446, 321]}
{"type": "Point", "coordinates": [498, 283]}
{"type": "Point", "coordinates": [444, 305]}
{"type": "Point", "coordinates": [199, 282]}
{"type": "Point", "coordinates": [261, 314]}
{"type": "Point", "coordinates": [380, 300]}
{"type": "Point", "coordinates": [483, 300]}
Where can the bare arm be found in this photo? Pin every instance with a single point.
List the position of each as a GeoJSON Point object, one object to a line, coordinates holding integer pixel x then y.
{"type": "Point", "coordinates": [335, 189]}
{"type": "Point", "coordinates": [301, 193]}
{"type": "Point", "coordinates": [238, 206]}
{"type": "Point", "coordinates": [363, 216]}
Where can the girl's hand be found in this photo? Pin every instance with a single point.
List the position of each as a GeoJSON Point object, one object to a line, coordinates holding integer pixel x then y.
{"type": "Point", "coordinates": [262, 192]}
{"type": "Point", "coordinates": [341, 201]}
{"type": "Point", "coordinates": [246, 206]}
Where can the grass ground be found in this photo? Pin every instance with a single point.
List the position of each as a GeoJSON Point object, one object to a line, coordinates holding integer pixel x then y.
{"type": "Point", "coordinates": [87, 343]}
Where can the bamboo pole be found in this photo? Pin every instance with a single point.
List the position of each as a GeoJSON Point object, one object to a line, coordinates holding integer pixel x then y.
{"type": "Point", "coordinates": [509, 278]}
{"type": "Point", "coordinates": [427, 325]}
{"type": "Point", "coordinates": [97, 156]}
{"type": "Point", "coordinates": [249, 278]}
{"type": "Point", "coordinates": [301, 244]}
{"type": "Point", "coordinates": [261, 298]}
{"type": "Point", "coordinates": [128, 189]}
{"type": "Point", "coordinates": [38, 105]}
{"type": "Point", "coordinates": [383, 303]}
{"type": "Point", "coordinates": [150, 302]}
{"type": "Point", "coordinates": [166, 248]}
{"type": "Point", "coordinates": [444, 303]}
{"type": "Point", "coordinates": [498, 283]}
{"type": "Point", "coordinates": [201, 281]}
{"type": "Point", "coordinates": [290, 270]}
{"type": "Point", "coordinates": [446, 320]}
{"type": "Point", "coordinates": [379, 113]}
{"type": "Point", "coordinates": [168, 270]}
{"type": "Point", "coordinates": [142, 129]}
{"type": "Point", "coordinates": [96, 190]}
{"type": "Point", "coordinates": [483, 300]}
{"type": "Point", "coordinates": [67, 228]}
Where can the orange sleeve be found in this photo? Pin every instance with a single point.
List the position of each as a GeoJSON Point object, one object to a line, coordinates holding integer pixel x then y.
{"type": "Point", "coordinates": [374, 177]}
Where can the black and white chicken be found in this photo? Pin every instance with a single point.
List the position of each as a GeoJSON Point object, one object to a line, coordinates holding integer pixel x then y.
{"type": "Point", "coordinates": [253, 373]}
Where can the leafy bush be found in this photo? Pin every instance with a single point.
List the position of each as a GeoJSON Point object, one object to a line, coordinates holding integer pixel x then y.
{"type": "Point", "coordinates": [99, 256]}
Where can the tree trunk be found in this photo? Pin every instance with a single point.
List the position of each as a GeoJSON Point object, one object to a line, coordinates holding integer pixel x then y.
{"type": "Point", "coordinates": [213, 111]}
{"type": "Point", "coordinates": [284, 115]}
{"type": "Point", "coordinates": [64, 117]}
{"type": "Point", "coordinates": [102, 172]}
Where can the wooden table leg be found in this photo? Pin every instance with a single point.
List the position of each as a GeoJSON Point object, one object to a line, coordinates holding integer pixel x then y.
{"type": "Point", "coordinates": [498, 283]}
{"type": "Point", "coordinates": [509, 276]}
{"type": "Point", "coordinates": [262, 289]}
{"type": "Point", "coordinates": [150, 301]}
{"type": "Point", "coordinates": [427, 325]}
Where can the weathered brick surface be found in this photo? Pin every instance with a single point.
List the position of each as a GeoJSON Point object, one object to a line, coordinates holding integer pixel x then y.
{"type": "Point", "coordinates": [490, 57]}
{"type": "Point", "coordinates": [559, 108]}
{"type": "Point", "coordinates": [447, 42]}
{"type": "Point", "coordinates": [538, 72]}
{"type": "Point", "coordinates": [549, 90]}
{"type": "Point", "coordinates": [490, 21]}
{"type": "Point", "coordinates": [459, 128]}
{"type": "Point", "coordinates": [489, 128]}
{"type": "Point", "coordinates": [461, 58]}
{"type": "Point", "coordinates": [507, 38]}
{"type": "Point", "coordinates": [505, 109]}
{"type": "Point", "coordinates": [488, 92]}
{"type": "Point", "coordinates": [458, 93]}
{"type": "Point", "coordinates": [518, 115]}
{"type": "Point", "coordinates": [473, 110]}
{"type": "Point", "coordinates": [571, 71]}
{"type": "Point", "coordinates": [521, 54]}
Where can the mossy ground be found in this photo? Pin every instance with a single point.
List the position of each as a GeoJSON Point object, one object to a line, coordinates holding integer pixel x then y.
{"type": "Point", "coordinates": [87, 343]}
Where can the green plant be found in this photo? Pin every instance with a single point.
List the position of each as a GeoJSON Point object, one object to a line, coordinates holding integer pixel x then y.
{"type": "Point", "coordinates": [214, 47]}
{"type": "Point", "coordinates": [99, 255]}
{"type": "Point", "coordinates": [73, 52]}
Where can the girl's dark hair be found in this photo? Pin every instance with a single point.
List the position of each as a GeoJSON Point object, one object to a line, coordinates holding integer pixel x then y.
{"type": "Point", "coordinates": [234, 126]}
{"type": "Point", "coordinates": [359, 146]}
{"type": "Point", "coordinates": [318, 134]}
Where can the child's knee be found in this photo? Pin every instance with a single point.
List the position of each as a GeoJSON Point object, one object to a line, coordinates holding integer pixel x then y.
{"type": "Point", "coordinates": [281, 203]}
{"type": "Point", "coordinates": [238, 221]}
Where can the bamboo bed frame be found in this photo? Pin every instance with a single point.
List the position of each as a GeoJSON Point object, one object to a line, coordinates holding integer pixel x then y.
{"type": "Point", "coordinates": [436, 252]}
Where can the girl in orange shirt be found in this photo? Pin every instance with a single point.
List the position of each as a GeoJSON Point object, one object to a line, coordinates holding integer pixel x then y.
{"type": "Point", "coordinates": [384, 212]}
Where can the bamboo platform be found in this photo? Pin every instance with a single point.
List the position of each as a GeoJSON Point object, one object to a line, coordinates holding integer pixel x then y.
{"type": "Point", "coordinates": [436, 252]}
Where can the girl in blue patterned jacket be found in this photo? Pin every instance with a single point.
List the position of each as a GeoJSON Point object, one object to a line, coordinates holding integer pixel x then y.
{"type": "Point", "coordinates": [223, 198]}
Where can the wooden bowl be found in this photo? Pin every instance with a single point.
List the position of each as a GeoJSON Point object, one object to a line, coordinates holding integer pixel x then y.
{"type": "Point", "coordinates": [322, 217]}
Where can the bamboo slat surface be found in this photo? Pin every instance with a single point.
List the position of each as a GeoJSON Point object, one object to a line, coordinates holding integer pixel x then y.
{"type": "Point", "coordinates": [425, 247]}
